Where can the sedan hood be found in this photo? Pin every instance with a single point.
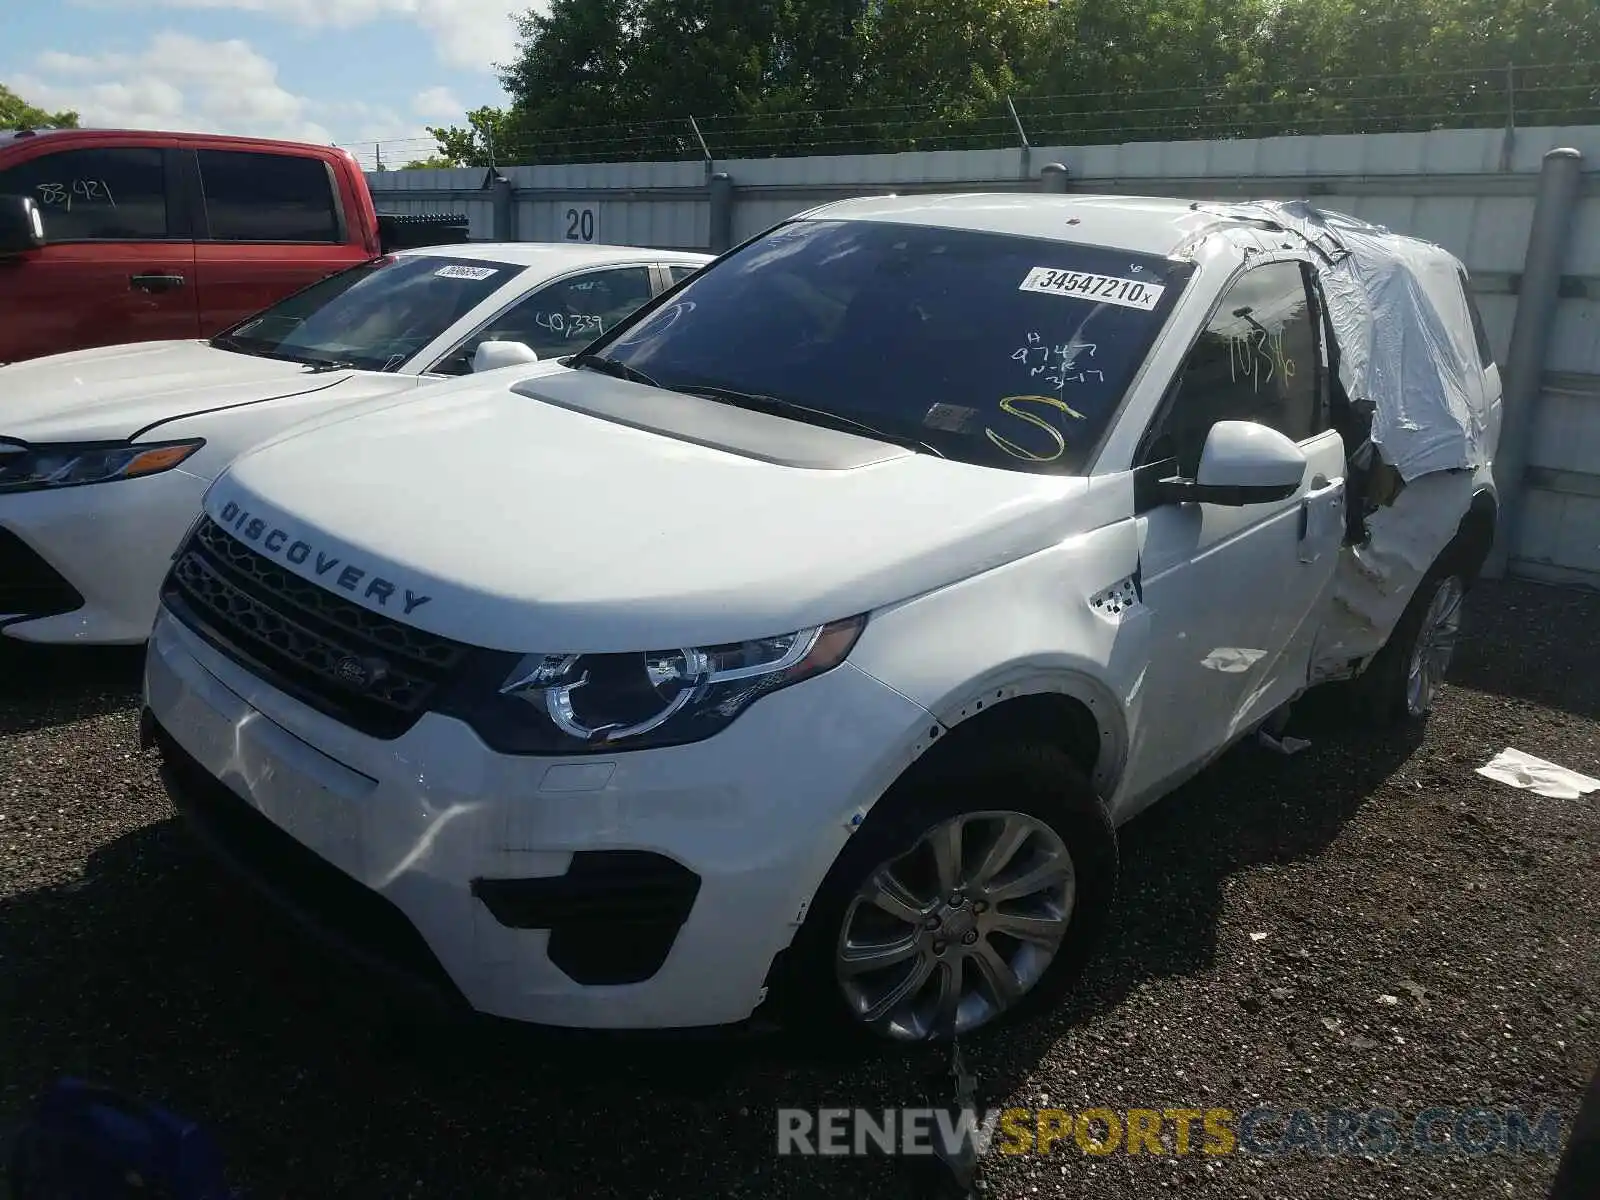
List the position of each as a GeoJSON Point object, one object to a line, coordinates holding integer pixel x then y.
{"type": "Point", "coordinates": [518, 522]}
{"type": "Point", "coordinates": [117, 391]}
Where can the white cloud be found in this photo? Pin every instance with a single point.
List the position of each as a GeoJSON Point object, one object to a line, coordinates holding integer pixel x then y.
{"type": "Point", "coordinates": [474, 34]}
{"type": "Point", "coordinates": [181, 82]}
{"type": "Point", "coordinates": [57, 63]}
{"type": "Point", "coordinates": [175, 82]}
{"type": "Point", "coordinates": [438, 103]}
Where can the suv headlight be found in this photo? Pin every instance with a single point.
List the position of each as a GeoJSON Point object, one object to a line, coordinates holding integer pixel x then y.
{"type": "Point", "coordinates": [606, 703]}
{"type": "Point", "coordinates": [27, 468]}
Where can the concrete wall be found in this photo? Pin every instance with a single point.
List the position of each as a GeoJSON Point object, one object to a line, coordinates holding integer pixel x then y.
{"type": "Point", "coordinates": [1471, 191]}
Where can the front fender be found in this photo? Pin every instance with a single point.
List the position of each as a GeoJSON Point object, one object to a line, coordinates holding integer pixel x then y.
{"type": "Point", "coordinates": [1065, 621]}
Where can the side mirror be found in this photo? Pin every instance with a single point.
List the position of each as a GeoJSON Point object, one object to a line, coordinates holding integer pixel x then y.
{"type": "Point", "coordinates": [21, 225]}
{"type": "Point", "coordinates": [491, 356]}
{"type": "Point", "coordinates": [1242, 464]}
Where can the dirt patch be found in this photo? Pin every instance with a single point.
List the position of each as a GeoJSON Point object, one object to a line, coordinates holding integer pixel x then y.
{"type": "Point", "coordinates": [1432, 939]}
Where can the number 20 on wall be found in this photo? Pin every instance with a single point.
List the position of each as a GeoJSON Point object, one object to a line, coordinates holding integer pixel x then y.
{"type": "Point", "coordinates": [582, 224]}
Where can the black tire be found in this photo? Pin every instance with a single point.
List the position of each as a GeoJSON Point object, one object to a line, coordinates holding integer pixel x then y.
{"type": "Point", "coordinates": [1379, 693]}
{"type": "Point", "coordinates": [1037, 780]}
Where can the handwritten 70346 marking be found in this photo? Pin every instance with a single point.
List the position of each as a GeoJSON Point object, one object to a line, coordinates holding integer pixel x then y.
{"type": "Point", "coordinates": [1260, 357]}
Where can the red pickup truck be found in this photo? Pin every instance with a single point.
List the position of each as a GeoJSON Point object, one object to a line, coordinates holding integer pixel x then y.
{"type": "Point", "coordinates": [127, 236]}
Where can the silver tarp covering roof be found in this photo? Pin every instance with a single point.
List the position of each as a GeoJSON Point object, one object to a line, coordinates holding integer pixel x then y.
{"type": "Point", "coordinates": [1393, 302]}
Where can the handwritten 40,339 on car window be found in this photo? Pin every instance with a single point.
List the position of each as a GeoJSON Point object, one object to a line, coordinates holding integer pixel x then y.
{"type": "Point", "coordinates": [570, 325]}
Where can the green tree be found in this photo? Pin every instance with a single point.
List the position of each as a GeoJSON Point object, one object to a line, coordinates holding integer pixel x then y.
{"type": "Point", "coordinates": [620, 79]}
{"type": "Point", "coordinates": [434, 162]}
{"type": "Point", "coordinates": [486, 141]}
{"type": "Point", "coordinates": [570, 74]}
{"type": "Point", "coordinates": [941, 69]}
{"type": "Point", "coordinates": [17, 113]}
{"type": "Point", "coordinates": [1130, 69]}
{"type": "Point", "coordinates": [818, 56]}
{"type": "Point", "coordinates": [1372, 65]}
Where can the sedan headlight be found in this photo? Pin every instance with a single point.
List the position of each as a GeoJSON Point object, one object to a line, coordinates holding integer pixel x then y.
{"type": "Point", "coordinates": [27, 468]}
{"type": "Point", "coordinates": [605, 703]}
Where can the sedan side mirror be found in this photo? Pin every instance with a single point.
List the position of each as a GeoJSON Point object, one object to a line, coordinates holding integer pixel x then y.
{"type": "Point", "coordinates": [1243, 463]}
{"type": "Point", "coordinates": [21, 225]}
{"type": "Point", "coordinates": [492, 355]}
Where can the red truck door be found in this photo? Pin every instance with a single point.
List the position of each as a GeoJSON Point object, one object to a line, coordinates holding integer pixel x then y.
{"type": "Point", "coordinates": [268, 223]}
{"type": "Point", "coordinates": [118, 265]}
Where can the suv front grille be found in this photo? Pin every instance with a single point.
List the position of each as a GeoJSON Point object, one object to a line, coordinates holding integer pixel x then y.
{"type": "Point", "coordinates": [359, 667]}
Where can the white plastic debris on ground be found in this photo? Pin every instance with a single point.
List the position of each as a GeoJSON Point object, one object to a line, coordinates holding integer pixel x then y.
{"type": "Point", "coordinates": [1531, 774]}
{"type": "Point", "coordinates": [1282, 745]}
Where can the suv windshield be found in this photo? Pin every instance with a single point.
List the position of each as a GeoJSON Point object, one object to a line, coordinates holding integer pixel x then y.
{"type": "Point", "coordinates": [375, 316]}
{"type": "Point", "coordinates": [987, 348]}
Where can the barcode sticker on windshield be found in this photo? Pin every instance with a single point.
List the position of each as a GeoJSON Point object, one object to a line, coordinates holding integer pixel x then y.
{"type": "Point", "coordinates": [1101, 289]}
{"type": "Point", "coordinates": [456, 271]}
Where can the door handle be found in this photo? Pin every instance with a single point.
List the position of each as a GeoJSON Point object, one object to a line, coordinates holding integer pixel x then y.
{"type": "Point", "coordinates": [1320, 511]}
{"type": "Point", "coordinates": [1322, 487]}
{"type": "Point", "coordinates": [155, 281]}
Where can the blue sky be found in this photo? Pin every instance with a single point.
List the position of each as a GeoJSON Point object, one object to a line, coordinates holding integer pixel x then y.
{"type": "Point", "coordinates": [353, 72]}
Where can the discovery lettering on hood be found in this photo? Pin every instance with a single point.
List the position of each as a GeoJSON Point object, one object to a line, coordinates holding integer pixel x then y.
{"type": "Point", "coordinates": [274, 541]}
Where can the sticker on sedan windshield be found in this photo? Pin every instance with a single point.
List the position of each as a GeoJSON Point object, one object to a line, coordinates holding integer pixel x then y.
{"type": "Point", "coordinates": [1103, 289]}
{"type": "Point", "coordinates": [456, 271]}
{"type": "Point", "coordinates": [952, 418]}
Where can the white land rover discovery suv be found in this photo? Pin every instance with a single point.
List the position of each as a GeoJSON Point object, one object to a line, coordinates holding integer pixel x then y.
{"type": "Point", "coordinates": [801, 644]}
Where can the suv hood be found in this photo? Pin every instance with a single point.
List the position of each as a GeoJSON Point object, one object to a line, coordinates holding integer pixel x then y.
{"type": "Point", "coordinates": [512, 522]}
{"type": "Point", "coordinates": [116, 391]}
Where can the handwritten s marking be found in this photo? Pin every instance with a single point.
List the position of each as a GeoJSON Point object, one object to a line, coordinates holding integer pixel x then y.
{"type": "Point", "coordinates": [1010, 406]}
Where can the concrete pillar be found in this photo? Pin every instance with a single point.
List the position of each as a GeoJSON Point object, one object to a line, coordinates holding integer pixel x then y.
{"type": "Point", "coordinates": [1053, 178]}
{"type": "Point", "coordinates": [1560, 179]}
{"type": "Point", "coordinates": [505, 209]}
{"type": "Point", "coordinates": [720, 188]}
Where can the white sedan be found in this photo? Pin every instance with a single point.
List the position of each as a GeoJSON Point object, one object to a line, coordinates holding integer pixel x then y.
{"type": "Point", "coordinates": [105, 453]}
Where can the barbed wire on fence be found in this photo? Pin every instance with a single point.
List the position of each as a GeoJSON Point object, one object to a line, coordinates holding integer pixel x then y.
{"type": "Point", "coordinates": [1542, 94]}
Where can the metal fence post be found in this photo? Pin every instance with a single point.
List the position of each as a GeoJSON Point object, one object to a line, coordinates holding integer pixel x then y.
{"type": "Point", "coordinates": [721, 192]}
{"type": "Point", "coordinates": [1022, 138]}
{"type": "Point", "coordinates": [1053, 178]}
{"type": "Point", "coordinates": [1509, 140]}
{"type": "Point", "coordinates": [505, 209]}
{"type": "Point", "coordinates": [1560, 178]}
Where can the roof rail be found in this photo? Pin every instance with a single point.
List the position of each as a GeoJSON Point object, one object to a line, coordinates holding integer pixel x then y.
{"type": "Point", "coordinates": [1236, 212]}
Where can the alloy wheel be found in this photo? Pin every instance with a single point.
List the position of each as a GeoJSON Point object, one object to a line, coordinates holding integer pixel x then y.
{"type": "Point", "coordinates": [955, 932]}
{"type": "Point", "coordinates": [1435, 646]}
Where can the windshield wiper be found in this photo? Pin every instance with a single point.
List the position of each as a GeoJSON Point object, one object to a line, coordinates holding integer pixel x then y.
{"type": "Point", "coordinates": [319, 365]}
{"type": "Point", "coordinates": [612, 367]}
{"type": "Point", "coordinates": [778, 407]}
{"type": "Point", "coordinates": [239, 345]}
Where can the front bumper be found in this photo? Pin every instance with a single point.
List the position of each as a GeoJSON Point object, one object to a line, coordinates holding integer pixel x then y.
{"type": "Point", "coordinates": [651, 890]}
{"type": "Point", "coordinates": [29, 586]}
{"type": "Point", "coordinates": [85, 564]}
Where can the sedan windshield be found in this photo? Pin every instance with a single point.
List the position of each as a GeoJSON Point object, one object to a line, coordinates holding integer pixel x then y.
{"type": "Point", "coordinates": [374, 317]}
{"type": "Point", "coordinates": [987, 348]}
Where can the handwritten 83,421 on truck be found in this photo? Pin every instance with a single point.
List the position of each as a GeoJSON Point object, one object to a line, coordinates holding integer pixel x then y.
{"type": "Point", "coordinates": [114, 236]}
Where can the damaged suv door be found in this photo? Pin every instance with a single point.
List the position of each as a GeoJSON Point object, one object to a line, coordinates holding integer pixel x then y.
{"type": "Point", "coordinates": [1236, 585]}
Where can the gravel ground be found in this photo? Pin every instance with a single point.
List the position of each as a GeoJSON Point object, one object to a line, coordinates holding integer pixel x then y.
{"type": "Point", "coordinates": [1374, 869]}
